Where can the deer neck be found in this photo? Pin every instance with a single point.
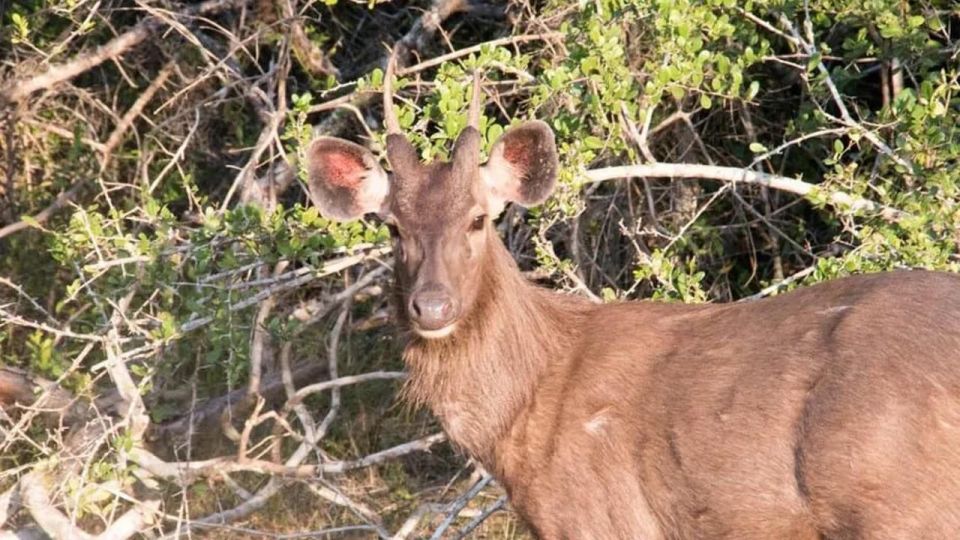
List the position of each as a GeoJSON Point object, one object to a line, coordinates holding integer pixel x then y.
{"type": "Point", "coordinates": [478, 380]}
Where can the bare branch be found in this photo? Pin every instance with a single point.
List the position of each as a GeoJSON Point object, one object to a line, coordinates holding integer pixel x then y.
{"type": "Point", "coordinates": [328, 268]}
{"type": "Point", "coordinates": [184, 472]}
{"type": "Point", "coordinates": [848, 120]}
{"type": "Point", "coordinates": [206, 414]}
{"type": "Point", "coordinates": [17, 90]}
{"type": "Point", "coordinates": [734, 175]}
{"type": "Point", "coordinates": [459, 504]}
{"type": "Point", "coordinates": [343, 381]}
{"type": "Point", "coordinates": [466, 51]}
{"type": "Point", "coordinates": [36, 500]}
{"type": "Point", "coordinates": [132, 113]}
{"type": "Point", "coordinates": [497, 505]}
{"type": "Point", "coordinates": [64, 198]}
{"type": "Point", "coordinates": [9, 503]}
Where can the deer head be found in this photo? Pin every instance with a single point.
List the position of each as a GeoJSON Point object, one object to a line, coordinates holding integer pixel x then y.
{"type": "Point", "coordinates": [440, 213]}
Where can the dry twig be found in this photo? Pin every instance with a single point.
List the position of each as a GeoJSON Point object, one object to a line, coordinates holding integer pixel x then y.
{"type": "Point", "coordinates": [54, 75]}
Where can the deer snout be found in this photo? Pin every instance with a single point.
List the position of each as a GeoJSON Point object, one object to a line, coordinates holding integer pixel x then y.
{"type": "Point", "coordinates": [433, 308]}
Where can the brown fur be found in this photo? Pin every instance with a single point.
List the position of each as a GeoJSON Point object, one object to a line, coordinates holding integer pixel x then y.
{"type": "Point", "coordinates": [832, 412]}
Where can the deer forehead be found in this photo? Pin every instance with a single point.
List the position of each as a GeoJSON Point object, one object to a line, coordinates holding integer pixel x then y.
{"type": "Point", "coordinates": [434, 194]}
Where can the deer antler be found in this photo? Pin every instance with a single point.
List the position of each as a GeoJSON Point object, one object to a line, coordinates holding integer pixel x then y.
{"type": "Point", "coordinates": [389, 114]}
{"type": "Point", "coordinates": [473, 114]}
{"type": "Point", "coordinates": [400, 153]}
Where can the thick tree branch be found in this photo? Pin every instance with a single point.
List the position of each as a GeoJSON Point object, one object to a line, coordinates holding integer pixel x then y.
{"type": "Point", "coordinates": [184, 472]}
{"type": "Point", "coordinates": [36, 499]}
{"type": "Point", "coordinates": [743, 176]}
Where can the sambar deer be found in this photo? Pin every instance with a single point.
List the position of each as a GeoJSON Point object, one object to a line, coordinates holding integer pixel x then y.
{"type": "Point", "coordinates": [832, 412]}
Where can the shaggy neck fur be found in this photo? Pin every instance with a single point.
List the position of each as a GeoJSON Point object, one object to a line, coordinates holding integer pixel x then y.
{"type": "Point", "coordinates": [478, 380]}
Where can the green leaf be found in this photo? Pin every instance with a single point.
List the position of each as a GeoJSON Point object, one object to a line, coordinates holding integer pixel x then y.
{"type": "Point", "coordinates": [30, 221]}
{"type": "Point", "coordinates": [168, 325]}
{"type": "Point", "coordinates": [493, 133]}
{"type": "Point", "coordinates": [23, 29]}
{"type": "Point", "coordinates": [757, 148]}
{"type": "Point", "coordinates": [592, 142]}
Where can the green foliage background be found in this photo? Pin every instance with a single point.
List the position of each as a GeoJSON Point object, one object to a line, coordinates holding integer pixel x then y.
{"type": "Point", "coordinates": [859, 97]}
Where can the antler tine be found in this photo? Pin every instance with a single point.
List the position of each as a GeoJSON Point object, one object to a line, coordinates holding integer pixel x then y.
{"type": "Point", "coordinates": [473, 114]}
{"type": "Point", "coordinates": [389, 114]}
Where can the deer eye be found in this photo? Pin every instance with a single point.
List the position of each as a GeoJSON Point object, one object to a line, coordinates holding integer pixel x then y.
{"type": "Point", "coordinates": [478, 223]}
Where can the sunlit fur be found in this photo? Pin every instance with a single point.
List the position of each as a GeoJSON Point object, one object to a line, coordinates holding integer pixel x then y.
{"type": "Point", "coordinates": [828, 413]}
{"type": "Point", "coordinates": [788, 418]}
{"type": "Point", "coordinates": [477, 379]}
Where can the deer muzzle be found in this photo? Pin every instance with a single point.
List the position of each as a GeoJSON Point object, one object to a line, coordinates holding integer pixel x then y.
{"type": "Point", "coordinates": [433, 311]}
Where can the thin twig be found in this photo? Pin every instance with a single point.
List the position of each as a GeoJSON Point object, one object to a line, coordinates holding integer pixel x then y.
{"type": "Point", "coordinates": [333, 366]}
{"type": "Point", "coordinates": [845, 115]}
{"type": "Point", "coordinates": [328, 268]}
{"type": "Point", "coordinates": [497, 505]}
{"type": "Point", "coordinates": [466, 51]}
{"type": "Point", "coordinates": [132, 113]}
{"type": "Point", "coordinates": [17, 90]}
{"type": "Point", "coordinates": [459, 504]}
{"type": "Point", "coordinates": [64, 198]}
{"type": "Point", "coordinates": [767, 291]}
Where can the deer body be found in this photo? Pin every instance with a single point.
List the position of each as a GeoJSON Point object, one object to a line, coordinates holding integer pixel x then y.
{"type": "Point", "coordinates": [815, 414]}
{"type": "Point", "coordinates": [832, 412]}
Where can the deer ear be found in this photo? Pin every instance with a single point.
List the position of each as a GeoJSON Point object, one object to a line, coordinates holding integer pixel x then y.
{"type": "Point", "coordinates": [522, 167]}
{"type": "Point", "coordinates": [345, 180]}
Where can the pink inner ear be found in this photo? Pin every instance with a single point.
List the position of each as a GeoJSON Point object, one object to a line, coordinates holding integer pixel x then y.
{"type": "Point", "coordinates": [342, 170]}
{"type": "Point", "coordinates": [516, 154]}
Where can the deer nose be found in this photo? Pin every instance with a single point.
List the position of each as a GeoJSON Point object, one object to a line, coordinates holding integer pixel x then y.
{"type": "Point", "coordinates": [433, 308]}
